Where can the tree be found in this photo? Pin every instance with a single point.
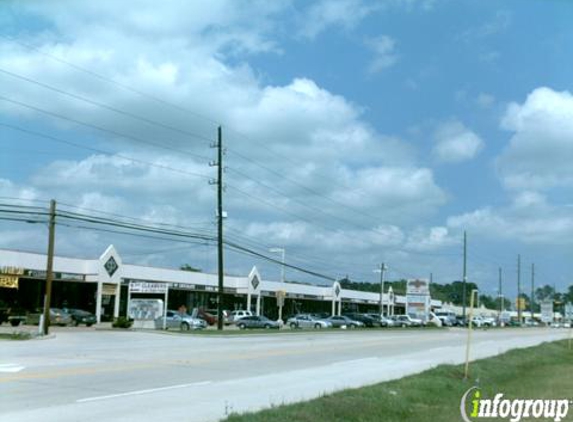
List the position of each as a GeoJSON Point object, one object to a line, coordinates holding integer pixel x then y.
{"type": "Point", "coordinates": [544, 293]}
{"type": "Point", "coordinates": [187, 267]}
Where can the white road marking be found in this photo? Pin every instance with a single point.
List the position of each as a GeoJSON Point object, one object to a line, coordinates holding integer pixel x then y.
{"type": "Point", "coordinates": [11, 367]}
{"type": "Point", "coordinates": [139, 392]}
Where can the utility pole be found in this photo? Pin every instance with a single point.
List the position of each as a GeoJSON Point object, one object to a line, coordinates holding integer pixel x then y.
{"type": "Point", "coordinates": [518, 289]}
{"type": "Point", "coordinates": [532, 300]}
{"type": "Point", "coordinates": [220, 216]}
{"type": "Point", "coordinates": [382, 269]}
{"type": "Point", "coordinates": [49, 267]}
{"type": "Point", "coordinates": [465, 276]}
{"type": "Point", "coordinates": [500, 293]}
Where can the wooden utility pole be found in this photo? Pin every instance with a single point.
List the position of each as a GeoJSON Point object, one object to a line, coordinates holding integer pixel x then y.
{"type": "Point", "coordinates": [519, 289]}
{"type": "Point", "coordinates": [500, 294]}
{"type": "Point", "coordinates": [382, 269]}
{"type": "Point", "coordinates": [532, 300]}
{"type": "Point", "coordinates": [220, 216]}
{"type": "Point", "coordinates": [465, 276]}
{"type": "Point", "coordinates": [49, 267]}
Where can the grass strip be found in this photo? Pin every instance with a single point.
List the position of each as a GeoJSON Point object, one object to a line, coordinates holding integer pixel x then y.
{"type": "Point", "coordinates": [540, 372]}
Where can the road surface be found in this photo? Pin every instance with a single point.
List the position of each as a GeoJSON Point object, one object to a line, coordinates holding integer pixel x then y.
{"type": "Point", "coordinates": [89, 375]}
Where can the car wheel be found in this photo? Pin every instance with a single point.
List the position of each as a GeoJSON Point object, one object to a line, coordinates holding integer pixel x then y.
{"type": "Point", "coordinates": [267, 326]}
{"type": "Point", "coordinates": [352, 326]}
{"type": "Point", "coordinates": [89, 325]}
{"type": "Point", "coordinates": [293, 325]}
{"type": "Point", "coordinates": [317, 326]}
{"type": "Point", "coordinates": [241, 326]}
{"type": "Point", "coordinates": [76, 323]}
{"type": "Point", "coordinates": [15, 322]}
{"type": "Point", "coordinates": [185, 326]}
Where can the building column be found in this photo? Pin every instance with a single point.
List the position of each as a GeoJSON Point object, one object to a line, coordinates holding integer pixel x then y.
{"type": "Point", "coordinates": [248, 301]}
{"type": "Point", "coordinates": [98, 301]}
{"type": "Point", "coordinates": [340, 307]}
{"type": "Point", "coordinates": [116, 301]}
{"type": "Point", "coordinates": [258, 305]}
{"type": "Point", "coordinates": [333, 307]}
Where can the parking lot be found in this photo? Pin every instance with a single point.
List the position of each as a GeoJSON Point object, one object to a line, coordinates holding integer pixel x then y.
{"type": "Point", "coordinates": [92, 374]}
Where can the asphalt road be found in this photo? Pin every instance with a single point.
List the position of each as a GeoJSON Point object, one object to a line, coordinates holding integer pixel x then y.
{"type": "Point", "coordinates": [87, 375]}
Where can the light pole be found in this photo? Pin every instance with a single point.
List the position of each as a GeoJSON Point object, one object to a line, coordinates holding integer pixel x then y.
{"type": "Point", "coordinates": [282, 251]}
{"type": "Point", "coordinates": [381, 271]}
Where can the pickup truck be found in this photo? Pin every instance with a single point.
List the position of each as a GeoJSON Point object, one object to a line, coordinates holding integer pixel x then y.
{"type": "Point", "coordinates": [13, 316]}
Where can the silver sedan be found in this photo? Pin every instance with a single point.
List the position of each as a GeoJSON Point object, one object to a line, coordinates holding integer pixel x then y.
{"type": "Point", "coordinates": [308, 321]}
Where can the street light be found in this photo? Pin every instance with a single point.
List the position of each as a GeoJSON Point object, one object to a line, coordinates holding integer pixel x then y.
{"type": "Point", "coordinates": [282, 252]}
{"type": "Point", "coordinates": [280, 301]}
{"type": "Point", "coordinates": [381, 270]}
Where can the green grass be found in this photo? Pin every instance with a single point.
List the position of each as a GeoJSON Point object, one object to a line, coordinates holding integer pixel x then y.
{"type": "Point", "coordinates": [16, 335]}
{"type": "Point", "coordinates": [543, 371]}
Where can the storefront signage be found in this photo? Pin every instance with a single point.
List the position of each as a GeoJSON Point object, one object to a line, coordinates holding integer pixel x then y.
{"type": "Point", "coordinates": [148, 287]}
{"type": "Point", "coordinates": [12, 270]}
{"type": "Point", "coordinates": [9, 281]}
{"type": "Point", "coordinates": [418, 298]}
{"type": "Point", "coordinates": [145, 309]}
{"type": "Point", "coordinates": [57, 276]}
{"type": "Point", "coordinates": [547, 311]}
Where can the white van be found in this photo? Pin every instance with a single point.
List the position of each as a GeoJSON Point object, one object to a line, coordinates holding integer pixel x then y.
{"type": "Point", "coordinates": [447, 317]}
{"type": "Point", "coordinates": [237, 315]}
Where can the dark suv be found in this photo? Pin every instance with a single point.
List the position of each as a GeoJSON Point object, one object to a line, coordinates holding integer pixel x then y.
{"type": "Point", "coordinates": [367, 320]}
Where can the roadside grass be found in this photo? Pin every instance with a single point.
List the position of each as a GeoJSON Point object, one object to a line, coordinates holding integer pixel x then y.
{"type": "Point", "coordinates": [538, 372]}
{"type": "Point", "coordinates": [16, 335]}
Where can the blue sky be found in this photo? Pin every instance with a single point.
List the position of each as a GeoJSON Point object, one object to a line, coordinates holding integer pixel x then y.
{"type": "Point", "coordinates": [413, 120]}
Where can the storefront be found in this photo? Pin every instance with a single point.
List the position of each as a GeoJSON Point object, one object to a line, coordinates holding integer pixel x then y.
{"type": "Point", "coordinates": [101, 286]}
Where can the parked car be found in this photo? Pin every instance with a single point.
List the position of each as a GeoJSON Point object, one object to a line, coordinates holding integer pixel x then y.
{"type": "Point", "coordinates": [60, 317]}
{"type": "Point", "coordinates": [12, 315]}
{"type": "Point", "coordinates": [183, 322]}
{"type": "Point", "coordinates": [447, 317]}
{"type": "Point", "coordinates": [344, 321]}
{"type": "Point", "coordinates": [366, 319]}
{"type": "Point", "coordinates": [406, 321]}
{"type": "Point", "coordinates": [255, 321]}
{"type": "Point", "coordinates": [239, 314]}
{"type": "Point", "coordinates": [386, 322]}
{"type": "Point", "coordinates": [80, 316]}
{"type": "Point", "coordinates": [482, 322]}
{"type": "Point", "coordinates": [307, 321]}
{"type": "Point", "coordinates": [381, 320]}
{"type": "Point", "coordinates": [491, 322]}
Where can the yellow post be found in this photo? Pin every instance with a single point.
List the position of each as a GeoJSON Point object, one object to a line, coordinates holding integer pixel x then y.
{"type": "Point", "coordinates": [470, 329]}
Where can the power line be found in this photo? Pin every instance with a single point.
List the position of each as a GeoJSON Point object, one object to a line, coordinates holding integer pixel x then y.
{"type": "Point", "coordinates": [100, 128]}
{"type": "Point", "coordinates": [100, 151]}
{"type": "Point", "coordinates": [111, 81]}
{"type": "Point", "coordinates": [171, 105]}
{"type": "Point", "coordinates": [106, 106]}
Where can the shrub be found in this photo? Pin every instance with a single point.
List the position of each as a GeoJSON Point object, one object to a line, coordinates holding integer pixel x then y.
{"type": "Point", "coordinates": [122, 322]}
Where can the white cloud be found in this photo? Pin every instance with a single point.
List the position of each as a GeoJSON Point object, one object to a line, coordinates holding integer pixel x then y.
{"type": "Point", "coordinates": [430, 239]}
{"type": "Point", "coordinates": [540, 151]}
{"type": "Point", "coordinates": [384, 54]}
{"type": "Point", "coordinates": [327, 13]}
{"type": "Point", "coordinates": [535, 223]}
{"type": "Point", "coordinates": [455, 143]}
{"type": "Point", "coordinates": [485, 100]}
{"type": "Point", "coordinates": [370, 184]}
{"type": "Point", "coordinates": [498, 23]}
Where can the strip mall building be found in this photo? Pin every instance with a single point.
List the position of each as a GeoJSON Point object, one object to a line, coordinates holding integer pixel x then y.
{"type": "Point", "coordinates": [102, 286]}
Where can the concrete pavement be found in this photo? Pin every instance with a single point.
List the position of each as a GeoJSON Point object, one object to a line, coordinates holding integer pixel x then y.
{"type": "Point", "coordinates": [88, 375]}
